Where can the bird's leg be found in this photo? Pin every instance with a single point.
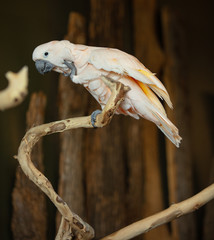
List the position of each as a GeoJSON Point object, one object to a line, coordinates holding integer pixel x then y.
{"type": "Point", "coordinates": [118, 91]}
{"type": "Point", "coordinates": [72, 67]}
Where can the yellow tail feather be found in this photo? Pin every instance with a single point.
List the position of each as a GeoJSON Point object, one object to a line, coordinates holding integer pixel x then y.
{"type": "Point", "coordinates": [160, 92]}
{"type": "Point", "coordinates": [152, 97]}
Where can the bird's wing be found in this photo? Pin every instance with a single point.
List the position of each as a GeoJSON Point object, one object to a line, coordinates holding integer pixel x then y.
{"type": "Point", "coordinates": [114, 60]}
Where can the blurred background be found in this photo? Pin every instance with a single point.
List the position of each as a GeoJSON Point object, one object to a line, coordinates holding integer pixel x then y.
{"type": "Point", "coordinates": [27, 24]}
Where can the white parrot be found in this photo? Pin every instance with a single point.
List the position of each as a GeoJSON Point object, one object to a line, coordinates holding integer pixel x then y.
{"type": "Point", "coordinates": [85, 65]}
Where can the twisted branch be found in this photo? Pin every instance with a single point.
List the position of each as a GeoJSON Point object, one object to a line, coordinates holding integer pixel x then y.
{"type": "Point", "coordinates": [71, 224]}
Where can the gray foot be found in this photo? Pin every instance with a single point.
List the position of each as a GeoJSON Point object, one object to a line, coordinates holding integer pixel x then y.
{"type": "Point", "coordinates": [93, 117]}
{"type": "Point", "coordinates": [72, 67]}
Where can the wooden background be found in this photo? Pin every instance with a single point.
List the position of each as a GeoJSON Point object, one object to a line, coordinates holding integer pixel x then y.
{"type": "Point", "coordinates": [126, 171]}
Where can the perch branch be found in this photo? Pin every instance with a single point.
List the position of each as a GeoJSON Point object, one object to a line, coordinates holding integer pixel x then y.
{"type": "Point", "coordinates": [71, 224]}
{"type": "Point", "coordinates": [16, 91]}
{"type": "Point", "coordinates": [158, 219]}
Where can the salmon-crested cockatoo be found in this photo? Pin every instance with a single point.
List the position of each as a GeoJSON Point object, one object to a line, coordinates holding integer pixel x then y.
{"type": "Point", "coordinates": [85, 65]}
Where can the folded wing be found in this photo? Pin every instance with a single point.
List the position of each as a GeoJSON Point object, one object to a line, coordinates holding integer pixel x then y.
{"type": "Point", "coordinates": [114, 60]}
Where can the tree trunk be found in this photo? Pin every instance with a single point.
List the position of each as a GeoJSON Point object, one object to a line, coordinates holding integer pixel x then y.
{"type": "Point", "coordinates": [105, 160]}
{"type": "Point", "coordinates": [179, 161]}
{"type": "Point", "coordinates": [147, 50]}
{"type": "Point", "coordinates": [73, 102]}
{"type": "Point", "coordinates": [29, 220]}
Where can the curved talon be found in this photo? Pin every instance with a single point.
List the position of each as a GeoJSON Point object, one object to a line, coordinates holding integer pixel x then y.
{"type": "Point", "coordinates": [72, 67]}
{"type": "Point", "coordinates": [94, 116]}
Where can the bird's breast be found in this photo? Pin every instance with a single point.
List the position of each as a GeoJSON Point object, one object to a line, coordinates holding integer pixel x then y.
{"type": "Point", "coordinates": [99, 90]}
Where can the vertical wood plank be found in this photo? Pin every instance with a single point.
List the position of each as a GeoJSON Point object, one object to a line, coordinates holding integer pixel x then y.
{"type": "Point", "coordinates": [72, 102]}
{"type": "Point", "coordinates": [179, 161]}
{"type": "Point", "coordinates": [147, 49]}
{"type": "Point", "coordinates": [29, 220]}
{"type": "Point", "coordinates": [104, 159]}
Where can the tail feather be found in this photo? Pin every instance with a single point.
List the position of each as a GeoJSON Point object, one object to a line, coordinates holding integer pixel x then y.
{"type": "Point", "coordinates": [168, 128]}
{"type": "Point", "coordinates": [162, 94]}
{"type": "Point", "coordinates": [155, 84]}
{"type": "Point", "coordinates": [151, 96]}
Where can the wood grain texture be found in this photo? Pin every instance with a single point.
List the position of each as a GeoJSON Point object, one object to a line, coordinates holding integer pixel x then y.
{"type": "Point", "coordinates": [29, 220]}
{"type": "Point", "coordinates": [179, 161]}
{"type": "Point", "coordinates": [73, 101]}
{"type": "Point", "coordinates": [148, 50]}
{"type": "Point", "coordinates": [105, 165]}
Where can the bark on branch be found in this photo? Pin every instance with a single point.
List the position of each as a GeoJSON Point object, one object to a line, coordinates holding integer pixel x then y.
{"type": "Point", "coordinates": [71, 225]}
{"type": "Point", "coordinates": [158, 219]}
{"type": "Point", "coordinates": [16, 91]}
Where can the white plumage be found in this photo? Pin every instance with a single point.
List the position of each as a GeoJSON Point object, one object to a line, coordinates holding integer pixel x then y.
{"type": "Point", "coordinates": [85, 65]}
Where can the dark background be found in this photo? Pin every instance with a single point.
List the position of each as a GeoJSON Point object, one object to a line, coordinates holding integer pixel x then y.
{"type": "Point", "coordinates": [26, 24]}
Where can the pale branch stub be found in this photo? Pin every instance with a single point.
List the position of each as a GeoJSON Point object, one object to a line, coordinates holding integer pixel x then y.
{"type": "Point", "coordinates": [17, 89]}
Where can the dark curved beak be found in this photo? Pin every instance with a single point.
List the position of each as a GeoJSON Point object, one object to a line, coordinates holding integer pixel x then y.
{"type": "Point", "coordinates": [43, 66]}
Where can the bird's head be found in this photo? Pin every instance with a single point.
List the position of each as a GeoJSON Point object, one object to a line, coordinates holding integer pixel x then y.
{"type": "Point", "coordinates": [54, 56]}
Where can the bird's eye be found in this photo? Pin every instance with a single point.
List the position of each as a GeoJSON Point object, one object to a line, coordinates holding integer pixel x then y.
{"type": "Point", "coordinates": [46, 54]}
